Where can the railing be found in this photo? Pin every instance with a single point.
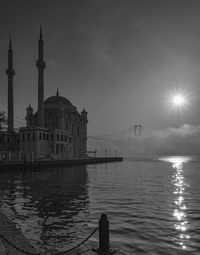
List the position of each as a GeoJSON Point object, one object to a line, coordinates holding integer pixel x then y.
{"type": "Point", "coordinates": [103, 249]}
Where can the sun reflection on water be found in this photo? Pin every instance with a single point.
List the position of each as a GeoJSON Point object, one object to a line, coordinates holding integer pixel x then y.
{"type": "Point", "coordinates": [180, 211]}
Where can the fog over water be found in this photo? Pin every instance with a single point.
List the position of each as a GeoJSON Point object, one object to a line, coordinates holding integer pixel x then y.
{"type": "Point", "coordinates": [183, 140]}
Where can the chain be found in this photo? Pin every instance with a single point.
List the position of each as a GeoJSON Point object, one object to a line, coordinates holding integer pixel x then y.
{"type": "Point", "coordinates": [17, 248]}
{"type": "Point", "coordinates": [58, 253]}
{"type": "Point", "coordinates": [75, 247]}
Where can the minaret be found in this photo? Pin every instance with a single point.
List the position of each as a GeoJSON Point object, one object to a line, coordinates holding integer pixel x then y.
{"type": "Point", "coordinates": [40, 63]}
{"type": "Point", "coordinates": [84, 131]}
{"type": "Point", "coordinates": [29, 116]}
{"type": "Point", "coordinates": [10, 72]}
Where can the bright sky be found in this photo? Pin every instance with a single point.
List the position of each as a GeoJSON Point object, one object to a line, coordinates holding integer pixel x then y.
{"type": "Point", "coordinates": [120, 59]}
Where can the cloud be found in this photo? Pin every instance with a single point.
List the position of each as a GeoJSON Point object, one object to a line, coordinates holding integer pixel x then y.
{"type": "Point", "coordinates": [170, 141]}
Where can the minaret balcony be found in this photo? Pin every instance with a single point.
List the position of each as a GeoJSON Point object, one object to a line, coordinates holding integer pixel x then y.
{"type": "Point", "coordinates": [40, 64]}
{"type": "Point", "coordinates": [10, 71]}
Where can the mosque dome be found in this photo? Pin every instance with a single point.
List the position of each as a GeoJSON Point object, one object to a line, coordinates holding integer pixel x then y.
{"type": "Point", "coordinates": [58, 101]}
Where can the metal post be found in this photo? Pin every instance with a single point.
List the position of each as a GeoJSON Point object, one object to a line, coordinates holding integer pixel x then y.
{"type": "Point", "coordinates": [103, 233]}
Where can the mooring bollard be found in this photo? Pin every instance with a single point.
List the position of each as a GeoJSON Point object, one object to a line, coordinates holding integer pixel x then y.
{"type": "Point", "coordinates": [103, 233]}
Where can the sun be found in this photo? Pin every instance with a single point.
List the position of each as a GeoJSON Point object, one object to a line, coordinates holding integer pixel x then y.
{"type": "Point", "coordinates": [179, 100]}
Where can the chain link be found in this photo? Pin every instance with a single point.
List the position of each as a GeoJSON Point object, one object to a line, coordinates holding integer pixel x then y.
{"type": "Point", "coordinates": [17, 248]}
{"type": "Point", "coordinates": [57, 253]}
{"type": "Point", "coordinates": [75, 247]}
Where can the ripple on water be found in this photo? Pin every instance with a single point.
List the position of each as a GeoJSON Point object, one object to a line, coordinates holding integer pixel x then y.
{"type": "Point", "coordinates": [153, 206]}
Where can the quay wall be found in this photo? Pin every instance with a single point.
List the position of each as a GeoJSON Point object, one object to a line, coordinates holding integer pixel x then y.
{"type": "Point", "coordinates": [39, 164]}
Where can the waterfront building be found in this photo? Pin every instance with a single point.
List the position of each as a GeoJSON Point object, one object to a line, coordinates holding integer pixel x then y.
{"type": "Point", "coordinates": [55, 131]}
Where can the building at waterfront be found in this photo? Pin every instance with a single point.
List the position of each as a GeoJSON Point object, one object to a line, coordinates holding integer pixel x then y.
{"type": "Point", "coordinates": [55, 131]}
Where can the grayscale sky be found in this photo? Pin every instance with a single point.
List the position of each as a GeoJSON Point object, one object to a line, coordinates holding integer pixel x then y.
{"type": "Point", "coordinates": [120, 59]}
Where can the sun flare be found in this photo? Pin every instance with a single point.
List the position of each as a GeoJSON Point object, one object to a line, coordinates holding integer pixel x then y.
{"type": "Point", "coordinates": [179, 100]}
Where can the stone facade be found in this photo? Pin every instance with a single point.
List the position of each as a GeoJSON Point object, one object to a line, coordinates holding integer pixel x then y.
{"type": "Point", "coordinates": [63, 136]}
{"type": "Point", "coordinates": [9, 145]}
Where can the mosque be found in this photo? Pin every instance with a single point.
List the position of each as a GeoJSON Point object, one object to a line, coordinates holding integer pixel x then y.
{"type": "Point", "coordinates": [55, 131]}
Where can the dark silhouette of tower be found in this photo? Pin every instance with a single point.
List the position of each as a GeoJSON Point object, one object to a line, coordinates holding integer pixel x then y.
{"type": "Point", "coordinates": [10, 72]}
{"type": "Point", "coordinates": [84, 130]}
{"type": "Point", "coordinates": [40, 63]}
{"type": "Point", "coordinates": [29, 116]}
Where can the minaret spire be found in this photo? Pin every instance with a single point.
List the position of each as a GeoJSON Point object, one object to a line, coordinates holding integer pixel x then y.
{"type": "Point", "coordinates": [10, 44]}
{"type": "Point", "coordinates": [10, 73]}
{"type": "Point", "coordinates": [40, 32]}
{"type": "Point", "coordinates": [40, 63]}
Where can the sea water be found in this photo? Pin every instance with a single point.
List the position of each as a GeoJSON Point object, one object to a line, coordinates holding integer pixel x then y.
{"type": "Point", "coordinates": [153, 204]}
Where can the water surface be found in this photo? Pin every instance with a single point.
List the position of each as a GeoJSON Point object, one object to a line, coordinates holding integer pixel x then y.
{"type": "Point", "coordinates": [153, 205]}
